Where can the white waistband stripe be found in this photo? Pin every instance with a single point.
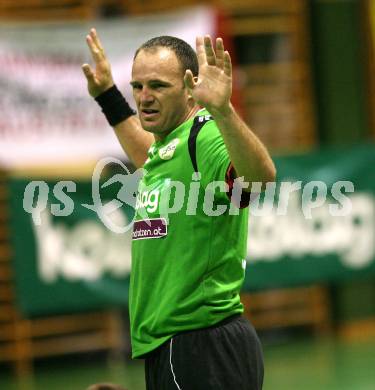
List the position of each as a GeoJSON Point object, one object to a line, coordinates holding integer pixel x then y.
{"type": "Point", "coordinates": [170, 362]}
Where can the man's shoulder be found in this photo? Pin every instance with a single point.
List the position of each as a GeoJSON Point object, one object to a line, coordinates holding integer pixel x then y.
{"type": "Point", "coordinates": [203, 116]}
{"type": "Point", "coordinates": [207, 124]}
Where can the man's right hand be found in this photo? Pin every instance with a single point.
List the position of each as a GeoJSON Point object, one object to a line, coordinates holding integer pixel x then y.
{"type": "Point", "coordinates": [100, 79]}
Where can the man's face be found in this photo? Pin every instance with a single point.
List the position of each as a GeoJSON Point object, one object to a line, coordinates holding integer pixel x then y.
{"type": "Point", "coordinates": [158, 90]}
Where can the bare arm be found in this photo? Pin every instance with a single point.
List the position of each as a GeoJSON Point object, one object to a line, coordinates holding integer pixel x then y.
{"type": "Point", "coordinates": [213, 90]}
{"type": "Point", "coordinates": [133, 139]}
{"type": "Point", "coordinates": [247, 153]}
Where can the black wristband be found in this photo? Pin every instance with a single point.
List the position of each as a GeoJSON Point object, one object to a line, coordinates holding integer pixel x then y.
{"type": "Point", "coordinates": [114, 106]}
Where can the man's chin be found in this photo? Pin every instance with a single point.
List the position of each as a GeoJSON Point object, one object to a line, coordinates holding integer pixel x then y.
{"type": "Point", "coordinates": [151, 127]}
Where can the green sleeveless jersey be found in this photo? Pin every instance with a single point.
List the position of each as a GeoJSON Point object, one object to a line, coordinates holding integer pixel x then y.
{"type": "Point", "coordinates": [188, 249]}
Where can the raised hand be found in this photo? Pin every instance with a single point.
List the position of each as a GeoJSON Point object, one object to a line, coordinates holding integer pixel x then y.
{"type": "Point", "coordinates": [100, 78]}
{"type": "Point", "coordinates": [213, 88]}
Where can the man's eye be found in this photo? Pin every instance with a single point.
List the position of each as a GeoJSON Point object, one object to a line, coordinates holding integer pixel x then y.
{"type": "Point", "coordinates": [137, 86]}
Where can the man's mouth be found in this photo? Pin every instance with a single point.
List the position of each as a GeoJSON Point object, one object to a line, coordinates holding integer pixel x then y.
{"type": "Point", "coordinates": [149, 113]}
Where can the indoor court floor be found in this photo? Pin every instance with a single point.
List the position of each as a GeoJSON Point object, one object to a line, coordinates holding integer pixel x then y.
{"type": "Point", "coordinates": [307, 364]}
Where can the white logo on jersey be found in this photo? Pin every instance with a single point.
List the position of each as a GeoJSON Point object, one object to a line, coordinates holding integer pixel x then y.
{"type": "Point", "coordinates": [204, 118]}
{"type": "Point", "coordinates": [148, 200]}
{"type": "Point", "coordinates": [151, 150]}
{"type": "Point", "coordinates": [167, 152]}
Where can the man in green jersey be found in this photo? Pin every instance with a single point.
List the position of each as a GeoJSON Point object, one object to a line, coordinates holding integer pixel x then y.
{"type": "Point", "coordinates": [189, 241]}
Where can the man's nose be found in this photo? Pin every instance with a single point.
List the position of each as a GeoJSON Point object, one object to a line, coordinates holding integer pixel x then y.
{"type": "Point", "coordinates": [146, 96]}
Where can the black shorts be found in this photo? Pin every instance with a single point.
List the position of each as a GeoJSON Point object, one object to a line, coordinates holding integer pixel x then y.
{"type": "Point", "coordinates": [227, 356]}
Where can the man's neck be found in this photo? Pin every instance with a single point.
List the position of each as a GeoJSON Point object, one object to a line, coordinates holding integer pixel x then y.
{"type": "Point", "coordinates": [189, 114]}
{"type": "Point", "coordinates": [192, 112]}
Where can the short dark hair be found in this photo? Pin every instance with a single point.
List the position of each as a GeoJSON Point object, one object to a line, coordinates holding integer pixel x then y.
{"type": "Point", "coordinates": [184, 52]}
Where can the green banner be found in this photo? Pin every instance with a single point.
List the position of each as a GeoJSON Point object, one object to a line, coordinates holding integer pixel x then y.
{"type": "Point", "coordinates": [310, 244]}
{"type": "Point", "coordinates": [68, 263]}
{"type": "Point", "coordinates": [319, 227]}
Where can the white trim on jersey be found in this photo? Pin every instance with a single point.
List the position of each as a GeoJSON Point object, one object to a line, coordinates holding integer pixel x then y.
{"type": "Point", "coordinates": [170, 362]}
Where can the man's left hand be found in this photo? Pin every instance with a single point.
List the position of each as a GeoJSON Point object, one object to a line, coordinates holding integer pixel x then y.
{"type": "Point", "coordinates": [213, 87]}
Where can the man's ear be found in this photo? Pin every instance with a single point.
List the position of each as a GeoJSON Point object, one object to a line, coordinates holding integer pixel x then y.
{"type": "Point", "coordinates": [195, 78]}
{"type": "Point", "coordinates": [190, 98]}
{"type": "Point", "coordinates": [188, 93]}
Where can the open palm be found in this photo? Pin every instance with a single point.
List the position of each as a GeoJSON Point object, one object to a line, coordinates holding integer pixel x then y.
{"type": "Point", "coordinates": [100, 78]}
{"type": "Point", "coordinates": [213, 88]}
